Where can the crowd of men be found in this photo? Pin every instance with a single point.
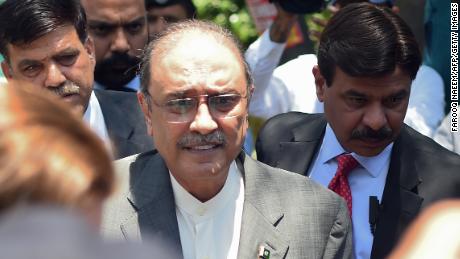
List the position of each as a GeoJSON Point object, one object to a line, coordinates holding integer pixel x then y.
{"type": "Point", "coordinates": [339, 173]}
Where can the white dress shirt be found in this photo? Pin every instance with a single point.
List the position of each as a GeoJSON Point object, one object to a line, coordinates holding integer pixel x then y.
{"type": "Point", "coordinates": [211, 229]}
{"type": "Point", "coordinates": [262, 56]}
{"type": "Point", "coordinates": [95, 120]}
{"type": "Point", "coordinates": [368, 179]}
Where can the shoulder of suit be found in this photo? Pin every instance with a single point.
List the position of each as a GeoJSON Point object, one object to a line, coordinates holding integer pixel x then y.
{"type": "Point", "coordinates": [281, 124]}
{"type": "Point", "coordinates": [138, 158]}
{"type": "Point", "coordinates": [412, 138]}
{"type": "Point", "coordinates": [116, 104]}
{"type": "Point", "coordinates": [109, 96]}
{"type": "Point", "coordinates": [287, 120]}
{"type": "Point", "coordinates": [123, 167]}
{"type": "Point", "coordinates": [296, 183]}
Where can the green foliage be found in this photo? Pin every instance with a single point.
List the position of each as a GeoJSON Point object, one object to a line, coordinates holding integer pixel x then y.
{"type": "Point", "coordinates": [232, 14]}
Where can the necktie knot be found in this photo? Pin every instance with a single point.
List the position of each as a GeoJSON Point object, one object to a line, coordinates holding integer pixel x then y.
{"type": "Point", "coordinates": [346, 163]}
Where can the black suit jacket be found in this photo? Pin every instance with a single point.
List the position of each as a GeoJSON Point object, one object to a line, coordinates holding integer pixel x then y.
{"type": "Point", "coordinates": [125, 122]}
{"type": "Point", "coordinates": [420, 172]}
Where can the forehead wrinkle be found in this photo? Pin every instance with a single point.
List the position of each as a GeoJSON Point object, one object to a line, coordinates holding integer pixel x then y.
{"type": "Point", "coordinates": [198, 74]}
{"type": "Point", "coordinates": [176, 77]}
{"type": "Point", "coordinates": [63, 38]}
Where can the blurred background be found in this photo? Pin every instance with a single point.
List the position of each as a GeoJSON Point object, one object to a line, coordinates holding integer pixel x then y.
{"type": "Point", "coordinates": [240, 16]}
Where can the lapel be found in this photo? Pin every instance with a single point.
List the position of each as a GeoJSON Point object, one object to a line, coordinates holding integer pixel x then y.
{"type": "Point", "coordinates": [152, 198]}
{"type": "Point", "coordinates": [298, 154]}
{"type": "Point", "coordinates": [124, 121]}
{"type": "Point", "coordinates": [400, 201]}
{"type": "Point", "coordinates": [119, 130]}
{"type": "Point", "coordinates": [262, 212]}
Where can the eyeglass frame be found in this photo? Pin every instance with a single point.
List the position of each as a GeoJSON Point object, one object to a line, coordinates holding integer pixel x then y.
{"type": "Point", "coordinates": [198, 98]}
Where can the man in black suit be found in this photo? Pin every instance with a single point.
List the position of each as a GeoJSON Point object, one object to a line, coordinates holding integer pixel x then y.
{"type": "Point", "coordinates": [367, 59]}
{"type": "Point", "coordinates": [50, 48]}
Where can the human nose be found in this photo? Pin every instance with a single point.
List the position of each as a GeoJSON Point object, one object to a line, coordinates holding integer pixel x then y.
{"type": "Point", "coordinates": [375, 117]}
{"type": "Point", "coordinates": [120, 42]}
{"type": "Point", "coordinates": [203, 122]}
{"type": "Point", "coordinates": [54, 76]}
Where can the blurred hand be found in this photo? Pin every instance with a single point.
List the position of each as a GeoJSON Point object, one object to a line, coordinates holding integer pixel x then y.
{"type": "Point", "coordinates": [282, 25]}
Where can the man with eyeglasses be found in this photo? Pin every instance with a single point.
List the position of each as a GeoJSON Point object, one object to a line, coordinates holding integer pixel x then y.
{"type": "Point", "coordinates": [198, 190]}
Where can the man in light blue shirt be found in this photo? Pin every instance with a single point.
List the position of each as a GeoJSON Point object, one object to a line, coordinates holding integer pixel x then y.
{"type": "Point", "coordinates": [367, 60]}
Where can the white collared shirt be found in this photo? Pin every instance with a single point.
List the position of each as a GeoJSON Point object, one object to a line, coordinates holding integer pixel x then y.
{"type": "Point", "coordinates": [211, 229]}
{"type": "Point", "coordinates": [368, 179]}
{"type": "Point", "coordinates": [95, 120]}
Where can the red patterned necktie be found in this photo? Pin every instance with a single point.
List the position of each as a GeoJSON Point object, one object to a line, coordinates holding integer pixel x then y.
{"type": "Point", "coordinates": [339, 184]}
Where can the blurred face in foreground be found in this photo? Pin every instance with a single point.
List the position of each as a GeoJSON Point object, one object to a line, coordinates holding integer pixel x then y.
{"type": "Point", "coordinates": [198, 109]}
{"type": "Point", "coordinates": [49, 157]}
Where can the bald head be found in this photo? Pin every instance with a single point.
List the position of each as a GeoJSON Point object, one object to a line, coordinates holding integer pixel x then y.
{"type": "Point", "coordinates": [191, 39]}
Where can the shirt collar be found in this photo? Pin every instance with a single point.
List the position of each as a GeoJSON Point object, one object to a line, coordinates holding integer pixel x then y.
{"type": "Point", "coordinates": [203, 210]}
{"type": "Point", "coordinates": [94, 118]}
{"type": "Point", "coordinates": [331, 148]}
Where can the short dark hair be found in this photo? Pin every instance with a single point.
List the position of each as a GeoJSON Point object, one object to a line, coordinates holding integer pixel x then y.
{"type": "Point", "coordinates": [365, 40]}
{"type": "Point", "coordinates": [24, 21]}
{"type": "Point", "coordinates": [174, 32]}
{"type": "Point", "coordinates": [188, 5]}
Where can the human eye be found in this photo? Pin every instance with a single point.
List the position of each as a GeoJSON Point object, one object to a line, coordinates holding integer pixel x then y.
{"type": "Point", "coordinates": [31, 70]}
{"type": "Point", "coordinates": [394, 101]}
{"type": "Point", "coordinates": [224, 102]}
{"type": "Point", "coordinates": [181, 106]}
{"type": "Point", "coordinates": [356, 101]}
{"type": "Point", "coordinates": [67, 59]}
{"type": "Point", "coordinates": [134, 28]}
{"type": "Point", "coordinates": [101, 29]}
{"type": "Point", "coordinates": [171, 19]}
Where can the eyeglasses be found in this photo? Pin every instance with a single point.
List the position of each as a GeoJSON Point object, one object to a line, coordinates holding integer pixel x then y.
{"type": "Point", "coordinates": [221, 106]}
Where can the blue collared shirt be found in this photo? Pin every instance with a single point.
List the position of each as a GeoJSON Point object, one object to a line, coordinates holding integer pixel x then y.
{"type": "Point", "coordinates": [368, 179]}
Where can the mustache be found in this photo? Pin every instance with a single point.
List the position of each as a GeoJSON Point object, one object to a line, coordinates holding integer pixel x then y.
{"type": "Point", "coordinates": [66, 88]}
{"type": "Point", "coordinates": [196, 139]}
{"type": "Point", "coordinates": [368, 133]}
{"type": "Point", "coordinates": [120, 58]}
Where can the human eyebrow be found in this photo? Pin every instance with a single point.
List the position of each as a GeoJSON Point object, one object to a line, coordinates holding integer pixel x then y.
{"type": "Point", "coordinates": [30, 68]}
{"type": "Point", "coordinates": [67, 56]}
{"type": "Point", "coordinates": [176, 95]}
{"type": "Point", "coordinates": [400, 94]}
{"type": "Point", "coordinates": [135, 26]}
{"type": "Point", "coordinates": [28, 62]}
{"type": "Point", "coordinates": [97, 23]}
{"type": "Point", "coordinates": [101, 28]}
{"type": "Point", "coordinates": [138, 20]}
{"type": "Point", "coordinates": [353, 93]}
{"type": "Point", "coordinates": [67, 52]}
{"type": "Point", "coordinates": [171, 18]}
